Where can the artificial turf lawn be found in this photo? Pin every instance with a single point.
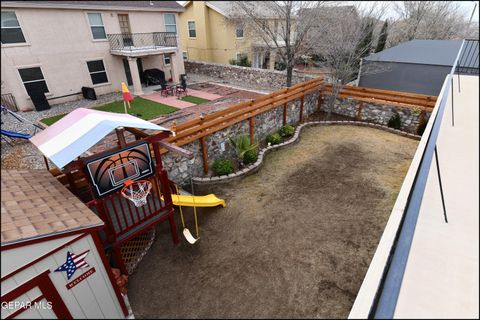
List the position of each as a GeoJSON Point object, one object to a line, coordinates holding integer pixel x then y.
{"type": "Point", "coordinates": [142, 108]}
{"type": "Point", "coordinates": [193, 99]}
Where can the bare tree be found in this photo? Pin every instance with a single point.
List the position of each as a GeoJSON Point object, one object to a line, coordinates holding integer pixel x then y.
{"type": "Point", "coordinates": [344, 37]}
{"type": "Point", "coordinates": [440, 20]}
{"type": "Point", "coordinates": [275, 24]}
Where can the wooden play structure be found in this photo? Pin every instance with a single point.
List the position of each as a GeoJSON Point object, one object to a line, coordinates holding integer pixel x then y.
{"type": "Point", "coordinates": [103, 180]}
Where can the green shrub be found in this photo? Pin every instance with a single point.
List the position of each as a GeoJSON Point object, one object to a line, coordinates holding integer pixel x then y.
{"type": "Point", "coordinates": [395, 121]}
{"type": "Point", "coordinates": [274, 138]}
{"type": "Point", "coordinates": [223, 167]}
{"type": "Point", "coordinates": [232, 61]}
{"type": "Point", "coordinates": [242, 145]}
{"type": "Point", "coordinates": [286, 131]}
{"type": "Point", "coordinates": [250, 156]}
{"type": "Point", "coordinates": [422, 126]}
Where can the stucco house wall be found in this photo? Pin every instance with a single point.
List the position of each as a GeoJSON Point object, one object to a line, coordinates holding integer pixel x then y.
{"type": "Point", "coordinates": [60, 42]}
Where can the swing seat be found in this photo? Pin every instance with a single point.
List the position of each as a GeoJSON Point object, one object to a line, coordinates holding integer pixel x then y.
{"type": "Point", "coordinates": [189, 237]}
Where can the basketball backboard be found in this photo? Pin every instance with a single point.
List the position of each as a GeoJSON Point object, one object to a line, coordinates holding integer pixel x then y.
{"type": "Point", "coordinates": [107, 173]}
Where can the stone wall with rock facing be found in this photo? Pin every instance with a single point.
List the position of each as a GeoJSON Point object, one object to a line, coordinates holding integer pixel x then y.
{"type": "Point", "coordinates": [260, 78]}
{"type": "Point", "coordinates": [180, 169]}
{"type": "Point", "coordinates": [376, 112]}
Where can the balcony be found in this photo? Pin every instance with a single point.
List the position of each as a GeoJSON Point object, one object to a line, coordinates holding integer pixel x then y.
{"type": "Point", "coordinates": [142, 44]}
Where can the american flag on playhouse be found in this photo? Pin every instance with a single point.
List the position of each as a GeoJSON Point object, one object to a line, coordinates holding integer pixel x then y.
{"type": "Point", "coordinates": [73, 263]}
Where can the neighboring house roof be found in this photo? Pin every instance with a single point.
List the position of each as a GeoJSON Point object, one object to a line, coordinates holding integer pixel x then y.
{"type": "Point", "coordinates": [107, 5]}
{"type": "Point", "coordinates": [430, 52]}
{"type": "Point", "coordinates": [81, 129]}
{"type": "Point", "coordinates": [35, 204]}
{"type": "Point", "coordinates": [226, 8]}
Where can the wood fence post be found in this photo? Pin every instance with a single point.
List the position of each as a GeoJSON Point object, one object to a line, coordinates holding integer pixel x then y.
{"type": "Point", "coordinates": [359, 111]}
{"type": "Point", "coordinates": [422, 117]}
{"type": "Point", "coordinates": [285, 110]}
{"type": "Point", "coordinates": [252, 129]}
{"type": "Point", "coordinates": [319, 101]}
{"type": "Point", "coordinates": [301, 109]}
{"type": "Point", "coordinates": [203, 145]}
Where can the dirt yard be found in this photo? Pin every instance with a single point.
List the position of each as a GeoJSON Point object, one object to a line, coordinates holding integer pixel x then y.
{"type": "Point", "coordinates": [295, 240]}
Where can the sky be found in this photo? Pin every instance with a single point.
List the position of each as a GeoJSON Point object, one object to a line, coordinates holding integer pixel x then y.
{"type": "Point", "coordinates": [466, 6]}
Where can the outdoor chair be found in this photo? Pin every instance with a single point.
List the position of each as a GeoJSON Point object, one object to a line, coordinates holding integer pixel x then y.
{"type": "Point", "coordinates": [182, 88]}
{"type": "Point", "coordinates": [166, 90]}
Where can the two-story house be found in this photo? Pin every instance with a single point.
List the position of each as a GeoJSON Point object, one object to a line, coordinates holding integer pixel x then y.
{"type": "Point", "coordinates": [58, 47]}
{"type": "Point", "coordinates": [209, 34]}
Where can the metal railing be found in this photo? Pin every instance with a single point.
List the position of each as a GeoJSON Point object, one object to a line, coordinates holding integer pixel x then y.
{"type": "Point", "coordinates": [8, 101]}
{"type": "Point", "coordinates": [468, 61]}
{"type": "Point", "coordinates": [389, 287]}
{"type": "Point", "coordinates": [141, 41]}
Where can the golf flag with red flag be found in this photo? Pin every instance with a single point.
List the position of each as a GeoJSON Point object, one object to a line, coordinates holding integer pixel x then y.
{"type": "Point", "coordinates": [127, 96]}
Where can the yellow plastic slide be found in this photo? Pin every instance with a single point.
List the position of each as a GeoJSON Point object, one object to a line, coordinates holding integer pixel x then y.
{"type": "Point", "coordinates": [210, 200]}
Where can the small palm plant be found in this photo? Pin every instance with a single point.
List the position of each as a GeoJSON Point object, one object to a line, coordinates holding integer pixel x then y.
{"type": "Point", "coordinates": [242, 145]}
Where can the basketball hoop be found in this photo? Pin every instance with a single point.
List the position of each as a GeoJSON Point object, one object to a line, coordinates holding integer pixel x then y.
{"type": "Point", "coordinates": [137, 191]}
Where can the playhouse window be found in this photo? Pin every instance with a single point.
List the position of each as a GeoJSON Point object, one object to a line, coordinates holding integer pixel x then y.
{"type": "Point", "coordinates": [11, 30]}
{"type": "Point", "coordinates": [97, 71]}
{"type": "Point", "coordinates": [33, 80]}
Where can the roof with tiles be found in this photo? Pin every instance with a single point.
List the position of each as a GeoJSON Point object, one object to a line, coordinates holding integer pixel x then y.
{"type": "Point", "coordinates": [137, 5]}
{"type": "Point", "coordinates": [35, 205]}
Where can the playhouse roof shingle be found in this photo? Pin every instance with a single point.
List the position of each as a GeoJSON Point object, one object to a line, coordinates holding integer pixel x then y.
{"type": "Point", "coordinates": [35, 204]}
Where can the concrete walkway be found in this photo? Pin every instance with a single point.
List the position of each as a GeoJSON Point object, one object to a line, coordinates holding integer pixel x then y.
{"type": "Point", "coordinates": [174, 101]}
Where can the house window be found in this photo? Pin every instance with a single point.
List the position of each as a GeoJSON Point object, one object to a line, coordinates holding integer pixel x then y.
{"type": "Point", "coordinates": [239, 31]}
{"type": "Point", "coordinates": [11, 30]}
{"type": "Point", "coordinates": [166, 59]}
{"type": "Point", "coordinates": [185, 55]}
{"type": "Point", "coordinates": [96, 24]}
{"type": "Point", "coordinates": [97, 71]}
{"type": "Point", "coordinates": [170, 25]}
{"type": "Point", "coordinates": [192, 31]}
{"type": "Point", "coordinates": [33, 80]}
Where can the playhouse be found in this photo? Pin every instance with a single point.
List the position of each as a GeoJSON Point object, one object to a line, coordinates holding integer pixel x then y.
{"type": "Point", "coordinates": [97, 175]}
{"type": "Point", "coordinates": [53, 263]}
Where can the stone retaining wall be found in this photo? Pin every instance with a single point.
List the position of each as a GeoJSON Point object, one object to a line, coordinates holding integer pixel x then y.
{"type": "Point", "coordinates": [219, 147]}
{"type": "Point", "coordinates": [246, 75]}
{"type": "Point", "coordinates": [377, 113]}
{"type": "Point", "coordinates": [202, 183]}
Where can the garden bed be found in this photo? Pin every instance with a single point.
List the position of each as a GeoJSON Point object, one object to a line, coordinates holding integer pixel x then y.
{"type": "Point", "coordinates": [295, 240]}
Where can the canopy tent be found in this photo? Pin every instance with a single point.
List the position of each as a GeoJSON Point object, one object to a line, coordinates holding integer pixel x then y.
{"type": "Point", "coordinates": [81, 129]}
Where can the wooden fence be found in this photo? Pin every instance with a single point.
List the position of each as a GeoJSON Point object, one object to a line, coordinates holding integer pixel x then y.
{"type": "Point", "coordinates": [394, 98]}
{"type": "Point", "coordinates": [199, 128]}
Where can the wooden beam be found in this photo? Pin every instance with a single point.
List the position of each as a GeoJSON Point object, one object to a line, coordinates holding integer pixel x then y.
{"type": "Point", "coordinates": [301, 109]}
{"type": "Point", "coordinates": [120, 137]}
{"type": "Point", "coordinates": [285, 111]}
{"type": "Point", "coordinates": [204, 154]}
{"type": "Point", "coordinates": [176, 149]}
{"type": "Point", "coordinates": [359, 111]}
{"type": "Point", "coordinates": [252, 129]}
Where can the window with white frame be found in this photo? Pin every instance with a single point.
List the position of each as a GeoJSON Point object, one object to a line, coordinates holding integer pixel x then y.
{"type": "Point", "coordinates": [170, 24]}
{"type": "Point", "coordinates": [185, 55]}
{"type": "Point", "coordinates": [97, 71]}
{"type": "Point", "coordinates": [11, 30]}
{"type": "Point", "coordinates": [192, 31]}
{"type": "Point", "coordinates": [166, 59]}
{"type": "Point", "coordinates": [96, 25]}
{"type": "Point", "coordinates": [33, 80]}
{"type": "Point", "coordinates": [239, 31]}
